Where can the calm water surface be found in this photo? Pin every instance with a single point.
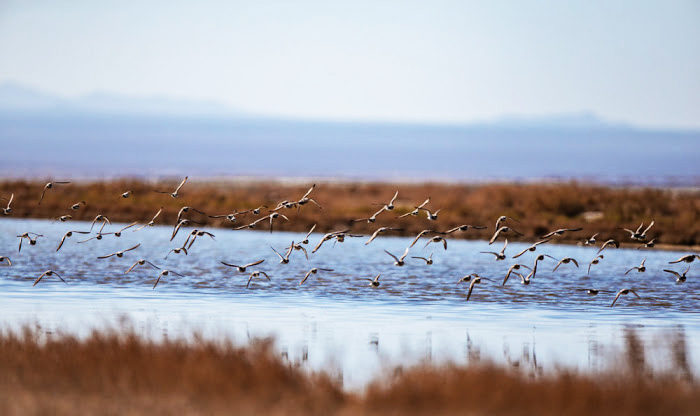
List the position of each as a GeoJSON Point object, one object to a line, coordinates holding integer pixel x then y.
{"type": "Point", "coordinates": [335, 320]}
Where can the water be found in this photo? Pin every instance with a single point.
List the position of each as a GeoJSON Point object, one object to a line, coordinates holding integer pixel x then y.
{"type": "Point", "coordinates": [335, 320]}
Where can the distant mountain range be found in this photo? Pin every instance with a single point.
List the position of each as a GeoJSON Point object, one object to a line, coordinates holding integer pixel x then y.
{"type": "Point", "coordinates": [20, 99]}
{"type": "Point", "coordinates": [101, 135]}
{"type": "Point", "coordinates": [15, 98]}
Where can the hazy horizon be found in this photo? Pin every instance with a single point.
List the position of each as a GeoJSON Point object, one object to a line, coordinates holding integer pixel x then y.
{"type": "Point", "coordinates": [447, 62]}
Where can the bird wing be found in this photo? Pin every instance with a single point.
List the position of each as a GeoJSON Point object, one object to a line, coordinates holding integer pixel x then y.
{"type": "Point", "coordinates": [674, 272]}
{"type": "Point", "coordinates": [374, 235]}
{"type": "Point", "coordinates": [471, 287]}
{"type": "Point", "coordinates": [62, 240]}
{"type": "Point", "coordinates": [39, 279]}
{"type": "Point", "coordinates": [132, 267]}
{"type": "Point", "coordinates": [255, 263]}
{"type": "Point", "coordinates": [616, 296]}
{"type": "Point", "coordinates": [306, 276]}
{"type": "Point", "coordinates": [181, 184]}
{"type": "Point", "coordinates": [495, 235]}
{"type": "Point", "coordinates": [394, 198]}
{"type": "Point", "coordinates": [395, 258]}
{"type": "Point", "coordinates": [405, 253]}
{"type": "Point", "coordinates": [132, 248]}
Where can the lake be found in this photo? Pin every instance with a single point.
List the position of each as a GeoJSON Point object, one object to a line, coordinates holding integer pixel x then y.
{"type": "Point", "coordinates": [335, 321]}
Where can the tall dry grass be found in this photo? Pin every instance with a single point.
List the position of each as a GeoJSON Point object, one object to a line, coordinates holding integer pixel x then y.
{"type": "Point", "coordinates": [539, 207]}
{"type": "Point", "coordinates": [120, 373]}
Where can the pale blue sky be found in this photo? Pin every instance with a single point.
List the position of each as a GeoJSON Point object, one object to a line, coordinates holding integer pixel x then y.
{"type": "Point", "coordinates": [418, 61]}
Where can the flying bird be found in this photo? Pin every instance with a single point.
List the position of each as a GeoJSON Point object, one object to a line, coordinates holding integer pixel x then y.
{"type": "Point", "coordinates": [69, 234]}
{"type": "Point", "coordinates": [256, 274]}
{"type": "Point", "coordinates": [464, 227]}
{"type": "Point", "coordinates": [648, 244]}
{"type": "Point", "coordinates": [680, 278]}
{"type": "Point", "coordinates": [49, 186]}
{"type": "Point", "coordinates": [687, 258]}
{"type": "Point", "coordinates": [176, 250]}
{"type": "Point", "coordinates": [421, 234]}
{"type": "Point", "coordinates": [417, 209]}
{"type": "Point", "coordinates": [501, 255]}
{"type": "Point", "coordinates": [48, 273]}
{"type": "Point", "coordinates": [5, 258]}
{"type": "Point", "coordinates": [399, 261]}
{"type": "Point", "coordinates": [187, 209]}
{"type": "Point", "coordinates": [638, 234]}
{"type": "Point", "coordinates": [560, 231]}
{"type": "Point", "coordinates": [7, 210]}
{"type": "Point", "coordinates": [596, 260]}
{"type": "Point", "coordinates": [373, 217]}
{"type": "Point", "coordinates": [165, 273]}
{"type": "Point", "coordinates": [374, 283]}
{"type": "Point", "coordinates": [120, 253]}
{"type": "Point", "coordinates": [390, 205]}
{"type": "Point", "coordinates": [306, 239]}
{"type": "Point", "coordinates": [77, 205]}
{"type": "Point", "coordinates": [284, 259]}
{"type": "Point", "coordinates": [565, 260]}
{"type": "Point", "coordinates": [641, 268]}
{"type": "Point", "coordinates": [313, 271]}
{"type": "Point", "coordinates": [28, 236]}
{"type": "Point", "coordinates": [381, 230]}
{"type": "Point", "coordinates": [531, 248]}
{"type": "Point", "coordinates": [624, 292]}
{"type": "Point", "coordinates": [437, 239]}
{"type": "Point", "coordinates": [141, 263]}
{"type": "Point", "coordinates": [242, 268]}
{"type": "Point", "coordinates": [609, 243]}
{"type": "Point", "coordinates": [152, 222]}
{"type": "Point", "coordinates": [102, 218]}
{"type": "Point", "coordinates": [516, 266]}
{"type": "Point", "coordinates": [119, 233]}
{"type": "Point", "coordinates": [500, 231]}
{"type": "Point", "coordinates": [504, 218]}
{"type": "Point", "coordinates": [427, 261]}
{"type": "Point", "coordinates": [477, 279]}
{"type": "Point", "coordinates": [590, 240]}
{"type": "Point", "coordinates": [174, 194]}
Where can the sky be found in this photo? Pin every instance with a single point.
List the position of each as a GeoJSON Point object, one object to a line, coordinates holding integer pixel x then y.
{"type": "Point", "coordinates": [408, 61]}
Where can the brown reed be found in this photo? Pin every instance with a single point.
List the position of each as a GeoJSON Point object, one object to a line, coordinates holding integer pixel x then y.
{"type": "Point", "coordinates": [540, 208]}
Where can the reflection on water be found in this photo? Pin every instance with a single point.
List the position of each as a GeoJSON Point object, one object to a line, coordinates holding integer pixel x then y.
{"type": "Point", "coordinates": [335, 319]}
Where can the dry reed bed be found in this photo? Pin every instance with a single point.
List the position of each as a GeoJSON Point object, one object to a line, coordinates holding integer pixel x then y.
{"type": "Point", "coordinates": [120, 373]}
{"type": "Point", "coordinates": [539, 207]}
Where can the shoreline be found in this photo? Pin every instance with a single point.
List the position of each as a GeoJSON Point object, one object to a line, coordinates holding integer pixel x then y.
{"type": "Point", "coordinates": [538, 208]}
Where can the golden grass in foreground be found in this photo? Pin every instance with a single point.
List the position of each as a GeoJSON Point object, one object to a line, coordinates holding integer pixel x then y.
{"type": "Point", "coordinates": [111, 373]}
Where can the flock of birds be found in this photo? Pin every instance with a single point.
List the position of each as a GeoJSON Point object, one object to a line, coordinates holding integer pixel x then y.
{"type": "Point", "coordinates": [640, 234]}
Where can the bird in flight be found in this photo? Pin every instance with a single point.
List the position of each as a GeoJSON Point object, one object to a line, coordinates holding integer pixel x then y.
{"type": "Point", "coordinates": [120, 253]}
{"type": "Point", "coordinates": [48, 273]}
{"type": "Point", "coordinates": [531, 248]}
{"type": "Point", "coordinates": [398, 261]}
{"type": "Point", "coordinates": [243, 268]}
{"type": "Point", "coordinates": [173, 194]}
{"type": "Point", "coordinates": [565, 260]}
{"type": "Point", "coordinates": [7, 210]}
{"type": "Point", "coordinates": [624, 292]}
{"type": "Point", "coordinates": [313, 271]}
{"type": "Point", "coordinates": [49, 186]}
{"type": "Point", "coordinates": [165, 273]}
{"type": "Point", "coordinates": [641, 268]}
{"type": "Point", "coordinates": [501, 255]}
{"type": "Point", "coordinates": [680, 278]}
